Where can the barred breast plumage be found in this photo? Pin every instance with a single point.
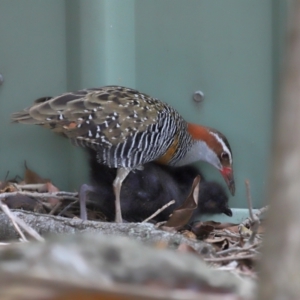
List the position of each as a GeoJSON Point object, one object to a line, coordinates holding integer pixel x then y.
{"type": "Point", "coordinates": [128, 129]}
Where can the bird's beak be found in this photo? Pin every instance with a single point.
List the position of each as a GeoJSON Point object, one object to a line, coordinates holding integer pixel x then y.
{"type": "Point", "coordinates": [227, 211]}
{"type": "Point", "coordinates": [227, 173]}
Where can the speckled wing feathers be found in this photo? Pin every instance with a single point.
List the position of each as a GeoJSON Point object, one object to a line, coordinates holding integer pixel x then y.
{"type": "Point", "coordinates": [118, 122]}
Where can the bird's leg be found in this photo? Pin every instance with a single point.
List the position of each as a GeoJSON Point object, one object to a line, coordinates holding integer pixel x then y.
{"type": "Point", "coordinates": [121, 175]}
{"type": "Point", "coordinates": [84, 190]}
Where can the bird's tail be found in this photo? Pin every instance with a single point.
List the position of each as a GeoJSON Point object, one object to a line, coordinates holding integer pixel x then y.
{"type": "Point", "coordinates": [29, 115]}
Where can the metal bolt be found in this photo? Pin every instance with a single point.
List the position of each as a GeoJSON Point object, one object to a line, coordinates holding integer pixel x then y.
{"type": "Point", "coordinates": [198, 96]}
{"type": "Point", "coordinates": [1, 79]}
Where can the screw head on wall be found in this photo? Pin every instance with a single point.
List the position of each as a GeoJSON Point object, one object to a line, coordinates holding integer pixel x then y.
{"type": "Point", "coordinates": [198, 96]}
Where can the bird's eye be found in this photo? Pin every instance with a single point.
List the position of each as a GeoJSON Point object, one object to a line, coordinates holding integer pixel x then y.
{"type": "Point", "coordinates": [224, 155]}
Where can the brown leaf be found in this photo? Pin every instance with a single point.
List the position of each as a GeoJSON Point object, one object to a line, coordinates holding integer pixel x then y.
{"type": "Point", "coordinates": [20, 201]}
{"type": "Point", "coordinates": [212, 223]}
{"type": "Point", "coordinates": [3, 184]}
{"type": "Point", "coordinates": [7, 187]}
{"type": "Point", "coordinates": [30, 177]}
{"type": "Point", "coordinates": [202, 230]}
{"type": "Point", "coordinates": [183, 214]}
{"type": "Point", "coordinates": [52, 189]}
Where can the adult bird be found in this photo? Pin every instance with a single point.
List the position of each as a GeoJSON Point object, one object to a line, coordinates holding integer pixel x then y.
{"type": "Point", "coordinates": [128, 129]}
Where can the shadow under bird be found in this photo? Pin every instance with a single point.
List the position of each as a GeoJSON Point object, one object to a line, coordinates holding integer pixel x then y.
{"type": "Point", "coordinates": [145, 191]}
{"type": "Point", "coordinates": [127, 129]}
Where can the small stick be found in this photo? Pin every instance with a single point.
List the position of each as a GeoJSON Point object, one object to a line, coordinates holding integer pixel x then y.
{"type": "Point", "coordinates": [247, 222]}
{"type": "Point", "coordinates": [7, 211]}
{"type": "Point", "coordinates": [225, 233]}
{"type": "Point", "coordinates": [159, 211]}
{"type": "Point", "coordinates": [54, 209]}
{"type": "Point", "coordinates": [67, 207]}
{"type": "Point", "coordinates": [249, 199]}
{"type": "Point", "coordinates": [36, 186]}
{"type": "Point", "coordinates": [21, 223]}
{"type": "Point", "coordinates": [237, 249]}
{"type": "Point", "coordinates": [159, 224]}
{"type": "Point", "coordinates": [253, 218]}
{"type": "Point", "coordinates": [230, 258]}
{"type": "Point", "coordinates": [58, 195]}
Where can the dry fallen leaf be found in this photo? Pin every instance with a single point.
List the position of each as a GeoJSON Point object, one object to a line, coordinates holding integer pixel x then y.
{"type": "Point", "coordinates": [52, 189]}
{"type": "Point", "coordinates": [7, 187]}
{"type": "Point", "coordinates": [202, 230]}
{"type": "Point", "coordinates": [24, 202]}
{"type": "Point", "coordinates": [30, 177]}
{"type": "Point", "coordinates": [183, 214]}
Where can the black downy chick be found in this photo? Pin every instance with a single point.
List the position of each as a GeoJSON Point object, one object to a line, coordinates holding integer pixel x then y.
{"type": "Point", "coordinates": [145, 191]}
{"type": "Point", "coordinates": [212, 197]}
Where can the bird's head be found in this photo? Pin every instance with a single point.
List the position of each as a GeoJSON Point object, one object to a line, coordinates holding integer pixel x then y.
{"type": "Point", "coordinates": [213, 199]}
{"type": "Point", "coordinates": [212, 146]}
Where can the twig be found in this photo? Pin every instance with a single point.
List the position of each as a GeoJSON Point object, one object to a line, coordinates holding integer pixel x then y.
{"type": "Point", "coordinates": [261, 211]}
{"type": "Point", "coordinates": [6, 176]}
{"type": "Point", "coordinates": [225, 233]}
{"type": "Point", "coordinates": [159, 211]}
{"type": "Point", "coordinates": [255, 222]}
{"type": "Point", "coordinates": [21, 223]}
{"type": "Point", "coordinates": [54, 209]}
{"type": "Point", "coordinates": [58, 195]}
{"type": "Point", "coordinates": [230, 258]}
{"type": "Point", "coordinates": [249, 199]}
{"type": "Point", "coordinates": [7, 211]}
{"type": "Point", "coordinates": [237, 249]}
{"type": "Point", "coordinates": [67, 207]}
{"type": "Point", "coordinates": [36, 186]}
{"type": "Point", "coordinates": [159, 224]}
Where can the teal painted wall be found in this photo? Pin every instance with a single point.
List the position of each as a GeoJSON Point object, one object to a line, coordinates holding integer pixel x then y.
{"type": "Point", "coordinates": [167, 48]}
{"type": "Point", "coordinates": [33, 63]}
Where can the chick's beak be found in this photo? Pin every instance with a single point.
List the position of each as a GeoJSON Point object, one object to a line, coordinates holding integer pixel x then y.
{"type": "Point", "coordinates": [227, 211]}
{"type": "Point", "coordinates": [227, 174]}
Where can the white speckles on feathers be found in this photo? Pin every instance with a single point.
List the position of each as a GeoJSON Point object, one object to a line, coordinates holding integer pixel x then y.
{"type": "Point", "coordinates": [107, 117]}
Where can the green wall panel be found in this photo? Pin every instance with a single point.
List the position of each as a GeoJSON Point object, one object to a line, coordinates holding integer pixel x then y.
{"type": "Point", "coordinates": [33, 63]}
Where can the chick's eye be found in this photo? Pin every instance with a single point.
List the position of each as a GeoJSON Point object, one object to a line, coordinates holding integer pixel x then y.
{"type": "Point", "coordinates": [224, 155]}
